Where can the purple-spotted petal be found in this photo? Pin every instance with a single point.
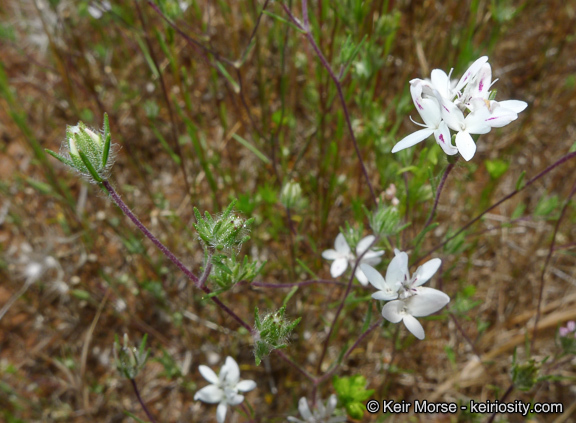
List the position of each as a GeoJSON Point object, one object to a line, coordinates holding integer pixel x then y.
{"type": "Point", "coordinates": [471, 72]}
{"type": "Point", "coordinates": [444, 140]}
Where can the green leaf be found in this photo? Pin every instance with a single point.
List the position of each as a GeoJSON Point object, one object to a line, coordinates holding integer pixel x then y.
{"type": "Point", "coordinates": [496, 168]}
{"type": "Point", "coordinates": [250, 147]}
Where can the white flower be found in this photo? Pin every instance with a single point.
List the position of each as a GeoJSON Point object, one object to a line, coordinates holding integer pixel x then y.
{"type": "Point", "coordinates": [429, 109]}
{"type": "Point", "coordinates": [320, 415]}
{"type": "Point", "coordinates": [442, 104]}
{"type": "Point", "coordinates": [342, 256]}
{"type": "Point", "coordinates": [224, 388]}
{"type": "Point", "coordinates": [474, 123]}
{"type": "Point", "coordinates": [410, 299]}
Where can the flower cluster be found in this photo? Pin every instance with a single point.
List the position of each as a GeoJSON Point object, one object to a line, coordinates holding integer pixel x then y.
{"type": "Point", "coordinates": [343, 255]}
{"type": "Point", "coordinates": [224, 387]}
{"type": "Point", "coordinates": [442, 104]}
{"type": "Point", "coordinates": [408, 299]}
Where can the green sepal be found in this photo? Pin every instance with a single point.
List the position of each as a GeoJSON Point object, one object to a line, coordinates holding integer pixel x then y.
{"type": "Point", "coordinates": [89, 166]}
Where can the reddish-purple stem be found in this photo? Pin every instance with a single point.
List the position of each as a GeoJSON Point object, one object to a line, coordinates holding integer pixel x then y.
{"type": "Point", "coordinates": [548, 257]}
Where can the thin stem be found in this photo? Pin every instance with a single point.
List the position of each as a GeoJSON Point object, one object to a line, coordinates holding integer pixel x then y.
{"type": "Point", "coordinates": [137, 392]}
{"type": "Point", "coordinates": [295, 365]}
{"type": "Point", "coordinates": [512, 194]}
{"type": "Point", "coordinates": [548, 257]}
{"type": "Point", "coordinates": [166, 98]}
{"type": "Point", "coordinates": [330, 372]}
{"type": "Point", "coordinates": [439, 191]}
{"type": "Point", "coordinates": [171, 256]}
{"type": "Point", "coordinates": [308, 34]}
{"type": "Point", "coordinates": [508, 392]}
{"type": "Point", "coordinates": [303, 283]}
{"type": "Point", "coordinates": [466, 337]}
{"type": "Point", "coordinates": [147, 233]}
{"type": "Point", "coordinates": [341, 306]}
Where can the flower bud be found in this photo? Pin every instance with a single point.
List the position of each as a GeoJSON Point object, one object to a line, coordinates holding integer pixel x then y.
{"type": "Point", "coordinates": [87, 151]}
{"type": "Point", "coordinates": [291, 196]}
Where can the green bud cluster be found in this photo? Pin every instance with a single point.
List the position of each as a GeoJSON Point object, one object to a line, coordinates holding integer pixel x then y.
{"type": "Point", "coordinates": [228, 271]}
{"type": "Point", "coordinates": [130, 360]}
{"type": "Point", "coordinates": [385, 221]}
{"type": "Point", "coordinates": [272, 332]}
{"type": "Point", "coordinates": [222, 233]}
{"type": "Point", "coordinates": [87, 151]}
{"type": "Point", "coordinates": [291, 196]}
{"type": "Point", "coordinates": [525, 375]}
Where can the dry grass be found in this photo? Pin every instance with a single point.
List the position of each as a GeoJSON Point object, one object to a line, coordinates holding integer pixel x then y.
{"type": "Point", "coordinates": [103, 278]}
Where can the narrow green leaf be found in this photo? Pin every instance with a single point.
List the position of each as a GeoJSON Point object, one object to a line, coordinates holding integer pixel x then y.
{"type": "Point", "coordinates": [250, 147]}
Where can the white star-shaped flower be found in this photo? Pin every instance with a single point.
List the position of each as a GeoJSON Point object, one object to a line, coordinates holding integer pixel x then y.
{"type": "Point", "coordinates": [411, 300]}
{"type": "Point", "coordinates": [343, 256]}
{"type": "Point", "coordinates": [224, 387]}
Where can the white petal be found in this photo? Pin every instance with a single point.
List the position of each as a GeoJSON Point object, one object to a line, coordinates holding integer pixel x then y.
{"type": "Point", "coordinates": [501, 117]}
{"type": "Point", "coordinates": [425, 272]}
{"type": "Point", "coordinates": [210, 394]}
{"type": "Point", "coordinates": [361, 277]}
{"type": "Point", "coordinates": [393, 311]}
{"type": "Point", "coordinates": [444, 140]}
{"type": "Point", "coordinates": [465, 145]}
{"type": "Point", "coordinates": [452, 115]}
{"type": "Point", "coordinates": [331, 404]}
{"type": "Point", "coordinates": [208, 374]}
{"type": "Point", "coordinates": [397, 271]}
{"type": "Point", "coordinates": [364, 244]}
{"type": "Point", "coordinates": [477, 121]}
{"type": "Point", "coordinates": [441, 82]}
{"type": "Point", "coordinates": [514, 105]}
{"type": "Point", "coordinates": [246, 385]}
{"type": "Point", "coordinates": [483, 81]}
{"type": "Point", "coordinates": [235, 399]}
{"type": "Point", "coordinates": [412, 139]}
{"type": "Point", "coordinates": [426, 301]}
{"type": "Point", "coordinates": [295, 420]}
{"type": "Point", "coordinates": [232, 375]}
{"type": "Point", "coordinates": [338, 267]}
{"type": "Point", "coordinates": [221, 412]}
{"type": "Point", "coordinates": [414, 326]}
{"type": "Point", "coordinates": [471, 72]}
{"type": "Point", "coordinates": [372, 257]}
{"type": "Point", "coordinates": [331, 254]}
{"type": "Point", "coordinates": [374, 276]}
{"type": "Point", "coordinates": [341, 245]}
{"type": "Point", "coordinates": [304, 409]}
{"type": "Point", "coordinates": [388, 295]}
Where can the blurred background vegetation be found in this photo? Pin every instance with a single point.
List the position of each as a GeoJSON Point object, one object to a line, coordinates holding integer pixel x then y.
{"type": "Point", "coordinates": [212, 101]}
